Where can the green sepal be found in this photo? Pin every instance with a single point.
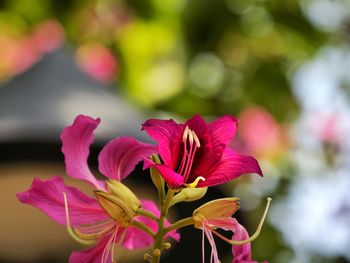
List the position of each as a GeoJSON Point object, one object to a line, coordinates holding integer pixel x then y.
{"type": "Point", "coordinates": [157, 179]}
{"type": "Point", "coordinates": [115, 207]}
{"type": "Point", "coordinates": [219, 208]}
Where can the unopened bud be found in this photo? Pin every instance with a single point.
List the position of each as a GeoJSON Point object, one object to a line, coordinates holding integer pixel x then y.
{"type": "Point", "coordinates": [166, 246]}
{"type": "Point", "coordinates": [189, 195]}
{"type": "Point", "coordinates": [122, 192]}
{"type": "Point", "coordinates": [147, 257]}
{"type": "Point", "coordinates": [156, 252]}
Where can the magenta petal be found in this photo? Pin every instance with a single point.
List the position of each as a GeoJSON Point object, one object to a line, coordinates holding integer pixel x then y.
{"type": "Point", "coordinates": [76, 141]}
{"type": "Point", "coordinates": [48, 197]}
{"type": "Point", "coordinates": [147, 163]}
{"type": "Point", "coordinates": [231, 166]}
{"type": "Point", "coordinates": [91, 255]}
{"type": "Point", "coordinates": [198, 125]}
{"type": "Point", "coordinates": [241, 253]}
{"type": "Point", "coordinates": [173, 179]}
{"type": "Point", "coordinates": [120, 156]}
{"type": "Point", "coordinates": [168, 134]}
{"type": "Point", "coordinates": [223, 130]}
{"type": "Point", "coordinates": [224, 223]}
{"type": "Point", "coordinates": [136, 238]}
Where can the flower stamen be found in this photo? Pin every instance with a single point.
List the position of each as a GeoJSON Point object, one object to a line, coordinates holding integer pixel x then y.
{"type": "Point", "coordinates": [188, 152]}
{"type": "Point", "coordinates": [71, 231]}
{"type": "Point", "coordinates": [253, 237]}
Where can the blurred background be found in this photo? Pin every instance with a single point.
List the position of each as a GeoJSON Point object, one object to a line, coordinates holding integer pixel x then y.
{"type": "Point", "coordinates": [281, 67]}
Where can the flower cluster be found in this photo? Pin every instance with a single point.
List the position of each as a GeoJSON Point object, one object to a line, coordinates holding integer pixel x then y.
{"type": "Point", "coordinates": [188, 158]}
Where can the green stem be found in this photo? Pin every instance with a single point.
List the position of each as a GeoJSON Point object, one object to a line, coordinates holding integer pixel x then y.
{"type": "Point", "coordinates": [179, 224]}
{"type": "Point", "coordinates": [159, 237]}
{"type": "Point", "coordinates": [143, 227]}
{"type": "Point", "coordinates": [146, 213]}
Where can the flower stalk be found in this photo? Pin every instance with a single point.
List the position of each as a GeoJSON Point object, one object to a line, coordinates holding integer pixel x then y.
{"type": "Point", "coordinates": [189, 158]}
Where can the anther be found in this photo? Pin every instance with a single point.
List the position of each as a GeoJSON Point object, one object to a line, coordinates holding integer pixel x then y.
{"type": "Point", "coordinates": [195, 137]}
{"type": "Point", "coordinates": [190, 137]}
{"type": "Point", "coordinates": [185, 134]}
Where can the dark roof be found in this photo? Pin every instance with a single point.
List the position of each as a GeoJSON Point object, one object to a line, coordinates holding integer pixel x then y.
{"type": "Point", "coordinates": [37, 104]}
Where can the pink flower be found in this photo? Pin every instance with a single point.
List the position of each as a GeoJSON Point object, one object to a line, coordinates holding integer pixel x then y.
{"type": "Point", "coordinates": [242, 253]}
{"type": "Point", "coordinates": [98, 61]}
{"type": "Point", "coordinates": [107, 219]}
{"type": "Point", "coordinates": [218, 214]}
{"type": "Point", "coordinates": [262, 134]}
{"type": "Point", "coordinates": [196, 153]}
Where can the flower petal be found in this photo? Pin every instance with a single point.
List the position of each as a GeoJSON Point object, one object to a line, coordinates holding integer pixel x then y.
{"type": "Point", "coordinates": [241, 253]}
{"type": "Point", "coordinates": [91, 255]}
{"type": "Point", "coordinates": [173, 179]}
{"type": "Point", "coordinates": [227, 224]}
{"type": "Point", "coordinates": [76, 141]}
{"type": "Point", "coordinates": [136, 238]}
{"type": "Point", "coordinates": [231, 166]}
{"type": "Point", "coordinates": [120, 156]}
{"type": "Point", "coordinates": [48, 197]}
{"type": "Point", "coordinates": [223, 130]}
{"type": "Point", "coordinates": [168, 134]}
{"type": "Point", "coordinates": [198, 125]}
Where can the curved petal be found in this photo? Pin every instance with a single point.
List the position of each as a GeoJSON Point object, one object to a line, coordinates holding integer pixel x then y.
{"type": "Point", "coordinates": [210, 150]}
{"type": "Point", "coordinates": [168, 134]}
{"type": "Point", "coordinates": [241, 253]}
{"type": "Point", "coordinates": [76, 141]}
{"type": "Point", "coordinates": [231, 166]}
{"type": "Point", "coordinates": [173, 179]}
{"type": "Point", "coordinates": [91, 255]}
{"type": "Point", "coordinates": [198, 125]}
{"type": "Point", "coordinates": [120, 156]}
{"type": "Point", "coordinates": [228, 224]}
{"type": "Point", "coordinates": [136, 238]}
{"type": "Point", "coordinates": [48, 197]}
{"type": "Point", "coordinates": [223, 129]}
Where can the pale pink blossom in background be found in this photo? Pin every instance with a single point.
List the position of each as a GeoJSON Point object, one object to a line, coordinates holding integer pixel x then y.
{"type": "Point", "coordinates": [48, 36]}
{"type": "Point", "coordinates": [19, 52]}
{"type": "Point", "coordinates": [262, 135]}
{"type": "Point", "coordinates": [97, 61]}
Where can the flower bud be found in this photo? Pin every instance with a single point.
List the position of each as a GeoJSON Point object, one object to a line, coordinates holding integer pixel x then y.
{"type": "Point", "coordinates": [189, 195]}
{"type": "Point", "coordinates": [122, 192]}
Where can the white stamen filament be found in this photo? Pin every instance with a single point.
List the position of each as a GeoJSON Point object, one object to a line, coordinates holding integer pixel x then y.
{"type": "Point", "coordinates": [188, 154]}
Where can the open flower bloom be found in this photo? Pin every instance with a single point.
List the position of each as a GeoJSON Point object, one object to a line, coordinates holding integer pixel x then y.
{"type": "Point", "coordinates": [196, 153]}
{"type": "Point", "coordinates": [217, 214]}
{"type": "Point", "coordinates": [111, 217]}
